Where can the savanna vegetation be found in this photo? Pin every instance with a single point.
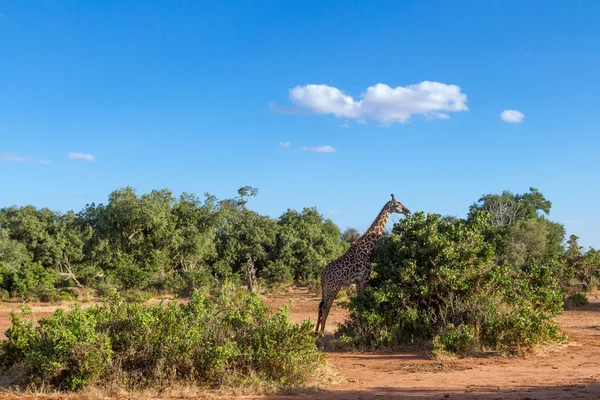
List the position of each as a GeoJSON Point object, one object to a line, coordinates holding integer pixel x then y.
{"type": "Point", "coordinates": [227, 338]}
{"type": "Point", "coordinates": [159, 243]}
{"type": "Point", "coordinates": [490, 281]}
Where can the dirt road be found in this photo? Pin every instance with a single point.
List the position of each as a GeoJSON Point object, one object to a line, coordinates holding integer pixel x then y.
{"type": "Point", "coordinates": [569, 371]}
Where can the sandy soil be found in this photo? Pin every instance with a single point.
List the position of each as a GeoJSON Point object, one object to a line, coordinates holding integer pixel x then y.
{"type": "Point", "coordinates": [570, 371]}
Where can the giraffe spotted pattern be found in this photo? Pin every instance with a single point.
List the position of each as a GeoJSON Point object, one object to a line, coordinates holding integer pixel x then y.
{"type": "Point", "coordinates": [354, 266]}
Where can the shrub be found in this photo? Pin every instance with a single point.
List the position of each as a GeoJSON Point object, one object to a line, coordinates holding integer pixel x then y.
{"type": "Point", "coordinates": [436, 283]}
{"type": "Point", "coordinates": [230, 338]}
{"type": "Point", "coordinates": [185, 281]}
{"type": "Point", "coordinates": [25, 280]}
{"type": "Point", "coordinates": [131, 276]}
{"type": "Point", "coordinates": [460, 340]}
{"type": "Point", "coordinates": [576, 299]}
{"type": "Point", "coordinates": [66, 350]}
{"type": "Point", "coordinates": [277, 273]}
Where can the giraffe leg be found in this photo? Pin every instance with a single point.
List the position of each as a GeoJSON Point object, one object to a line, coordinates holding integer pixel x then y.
{"type": "Point", "coordinates": [326, 307]}
{"type": "Point", "coordinates": [360, 287]}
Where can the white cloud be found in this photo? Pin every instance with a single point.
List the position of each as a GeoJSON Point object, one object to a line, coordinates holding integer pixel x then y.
{"type": "Point", "coordinates": [81, 156]}
{"type": "Point", "coordinates": [512, 116]}
{"type": "Point", "coordinates": [380, 102]}
{"type": "Point", "coordinates": [12, 157]}
{"type": "Point", "coordinates": [318, 149]}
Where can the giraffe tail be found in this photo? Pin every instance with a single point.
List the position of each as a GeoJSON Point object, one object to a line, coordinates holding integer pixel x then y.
{"type": "Point", "coordinates": [321, 304]}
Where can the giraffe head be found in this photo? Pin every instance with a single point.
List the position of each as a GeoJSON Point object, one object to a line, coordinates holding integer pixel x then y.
{"type": "Point", "coordinates": [396, 207]}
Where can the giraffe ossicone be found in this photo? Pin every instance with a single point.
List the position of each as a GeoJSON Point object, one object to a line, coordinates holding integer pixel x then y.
{"type": "Point", "coordinates": [354, 266]}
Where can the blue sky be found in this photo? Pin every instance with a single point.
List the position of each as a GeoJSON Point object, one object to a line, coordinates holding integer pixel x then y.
{"type": "Point", "coordinates": [328, 104]}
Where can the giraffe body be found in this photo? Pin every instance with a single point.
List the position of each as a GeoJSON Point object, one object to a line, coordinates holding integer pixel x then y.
{"type": "Point", "coordinates": [354, 266]}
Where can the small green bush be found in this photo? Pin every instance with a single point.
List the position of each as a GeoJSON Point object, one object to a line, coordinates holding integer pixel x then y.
{"type": "Point", "coordinates": [131, 276]}
{"type": "Point", "coordinates": [458, 340]}
{"type": "Point", "coordinates": [184, 282]}
{"type": "Point", "coordinates": [136, 296]}
{"type": "Point", "coordinates": [230, 338]}
{"type": "Point", "coordinates": [576, 299]}
{"type": "Point", "coordinates": [58, 295]}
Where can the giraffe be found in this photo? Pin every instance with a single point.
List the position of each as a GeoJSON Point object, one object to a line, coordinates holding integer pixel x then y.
{"type": "Point", "coordinates": [354, 266]}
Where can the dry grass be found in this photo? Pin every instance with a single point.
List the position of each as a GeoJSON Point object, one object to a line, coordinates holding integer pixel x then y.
{"type": "Point", "coordinates": [326, 377]}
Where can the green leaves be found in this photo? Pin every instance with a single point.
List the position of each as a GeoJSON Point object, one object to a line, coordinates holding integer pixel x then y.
{"type": "Point", "coordinates": [438, 280]}
{"type": "Point", "coordinates": [307, 242]}
{"type": "Point", "coordinates": [228, 338]}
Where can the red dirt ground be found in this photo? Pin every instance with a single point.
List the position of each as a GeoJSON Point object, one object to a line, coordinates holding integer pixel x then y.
{"type": "Point", "coordinates": [570, 371]}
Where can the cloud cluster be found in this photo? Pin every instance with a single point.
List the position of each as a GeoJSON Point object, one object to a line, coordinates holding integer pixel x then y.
{"type": "Point", "coordinates": [512, 116]}
{"type": "Point", "coordinates": [380, 102]}
{"type": "Point", "coordinates": [81, 156]}
{"type": "Point", "coordinates": [12, 157]}
{"type": "Point", "coordinates": [316, 149]}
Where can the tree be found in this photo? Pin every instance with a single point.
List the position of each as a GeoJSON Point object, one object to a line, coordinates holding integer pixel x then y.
{"type": "Point", "coordinates": [243, 234]}
{"type": "Point", "coordinates": [194, 242]}
{"type": "Point", "coordinates": [582, 266]}
{"type": "Point", "coordinates": [12, 252]}
{"type": "Point", "coordinates": [245, 193]}
{"type": "Point", "coordinates": [507, 208]}
{"type": "Point", "coordinates": [350, 235]}
{"type": "Point", "coordinates": [307, 242]}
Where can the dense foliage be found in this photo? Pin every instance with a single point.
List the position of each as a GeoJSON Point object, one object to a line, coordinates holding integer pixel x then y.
{"type": "Point", "coordinates": [491, 281]}
{"type": "Point", "coordinates": [159, 242]}
{"type": "Point", "coordinates": [227, 338]}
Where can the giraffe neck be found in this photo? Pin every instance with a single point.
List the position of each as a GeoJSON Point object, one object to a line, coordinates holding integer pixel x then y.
{"type": "Point", "coordinates": [368, 240]}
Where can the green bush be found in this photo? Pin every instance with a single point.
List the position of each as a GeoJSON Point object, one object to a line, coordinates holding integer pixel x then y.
{"type": "Point", "coordinates": [576, 299]}
{"type": "Point", "coordinates": [185, 282]}
{"type": "Point", "coordinates": [230, 338]}
{"type": "Point", "coordinates": [131, 276]}
{"type": "Point", "coordinates": [459, 340]}
{"type": "Point", "coordinates": [277, 273]}
{"type": "Point", "coordinates": [58, 295]}
{"type": "Point", "coordinates": [436, 283]}
{"type": "Point", "coordinates": [66, 350]}
{"type": "Point", "coordinates": [136, 296]}
{"type": "Point", "coordinates": [26, 280]}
